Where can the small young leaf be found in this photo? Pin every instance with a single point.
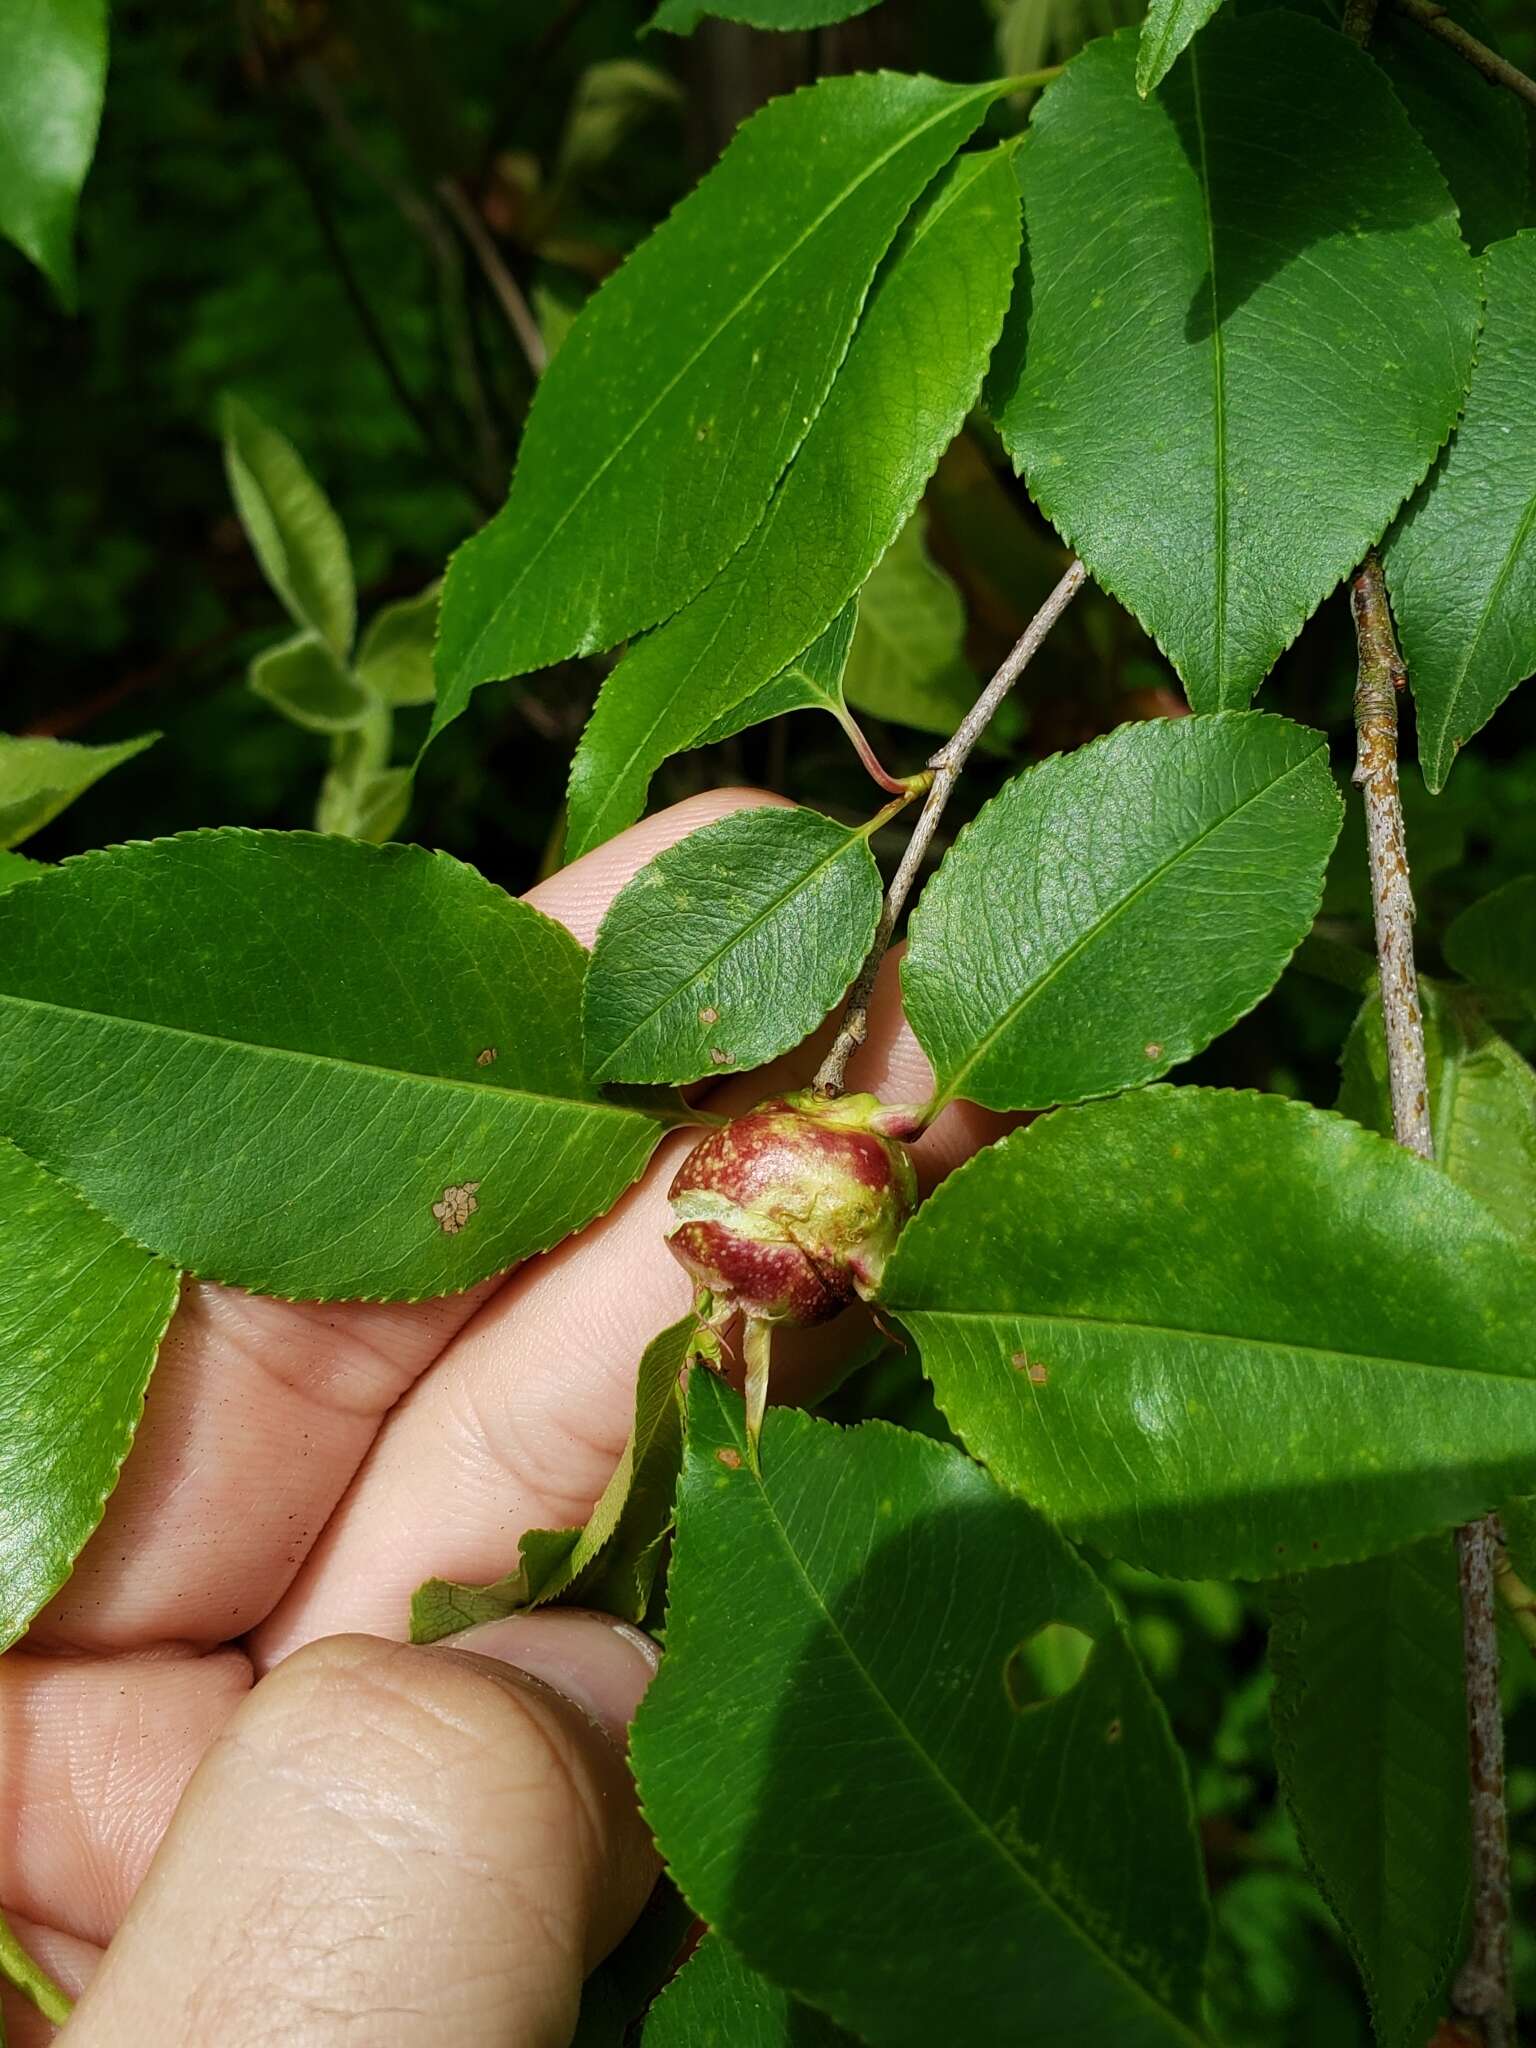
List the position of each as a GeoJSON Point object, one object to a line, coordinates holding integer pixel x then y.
{"type": "Point", "coordinates": [82, 1313]}
{"type": "Point", "coordinates": [1114, 909]}
{"type": "Point", "coordinates": [682, 17]}
{"type": "Point", "coordinates": [303, 680]}
{"type": "Point", "coordinates": [1493, 941]}
{"type": "Point", "coordinates": [394, 657]}
{"type": "Point", "coordinates": [1170, 26]}
{"type": "Point", "coordinates": [907, 662]}
{"type": "Point", "coordinates": [1371, 1741]}
{"type": "Point", "coordinates": [914, 367]}
{"type": "Point", "coordinates": [41, 777]}
{"type": "Point", "coordinates": [851, 1735]}
{"type": "Point", "coordinates": [1225, 1335]}
{"type": "Point", "coordinates": [1461, 563]}
{"type": "Point", "coordinates": [294, 533]}
{"type": "Point", "coordinates": [1248, 283]}
{"type": "Point", "coordinates": [1482, 1101]}
{"type": "Point", "coordinates": [634, 1511]}
{"type": "Point", "coordinates": [716, 2001]}
{"type": "Point", "coordinates": [690, 378]}
{"type": "Point", "coordinates": [53, 71]}
{"type": "Point", "coordinates": [729, 947]}
{"type": "Point", "coordinates": [304, 1065]}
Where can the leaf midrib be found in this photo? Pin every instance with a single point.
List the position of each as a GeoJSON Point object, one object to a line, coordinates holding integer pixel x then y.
{"type": "Point", "coordinates": [1218, 370]}
{"type": "Point", "coordinates": [485, 1090]}
{"type": "Point", "coordinates": [814, 228]}
{"type": "Point", "coordinates": [1334, 1352]}
{"type": "Point", "coordinates": [952, 1084]}
{"type": "Point", "coordinates": [1031, 1883]}
{"type": "Point", "coordinates": [738, 938]}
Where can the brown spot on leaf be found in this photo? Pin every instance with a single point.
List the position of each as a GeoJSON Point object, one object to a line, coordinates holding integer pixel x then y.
{"type": "Point", "coordinates": [485, 1058]}
{"type": "Point", "coordinates": [720, 1056]}
{"type": "Point", "coordinates": [731, 1459]}
{"type": "Point", "coordinates": [1112, 1732]}
{"type": "Point", "coordinates": [456, 1207]}
{"type": "Point", "coordinates": [709, 1014]}
{"type": "Point", "coordinates": [1153, 1050]}
{"type": "Point", "coordinates": [1022, 1362]}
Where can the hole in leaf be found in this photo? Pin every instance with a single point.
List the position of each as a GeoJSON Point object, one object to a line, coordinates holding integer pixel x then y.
{"type": "Point", "coordinates": [1046, 1665]}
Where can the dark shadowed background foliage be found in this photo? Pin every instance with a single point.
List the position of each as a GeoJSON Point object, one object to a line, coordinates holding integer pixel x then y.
{"type": "Point", "coordinates": [265, 217]}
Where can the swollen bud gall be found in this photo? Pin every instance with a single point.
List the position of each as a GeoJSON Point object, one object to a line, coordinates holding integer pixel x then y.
{"type": "Point", "coordinates": [791, 1211]}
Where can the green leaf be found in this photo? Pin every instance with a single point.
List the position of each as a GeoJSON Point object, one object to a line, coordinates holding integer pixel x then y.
{"type": "Point", "coordinates": [912, 372]}
{"type": "Point", "coordinates": [813, 681]}
{"type": "Point", "coordinates": [907, 662]}
{"type": "Point", "coordinates": [294, 533]}
{"type": "Point", "coordinates": [81, 1317]}
{"type": "Point", "coordinates": [53, 74]}
{"type": "Point", "coordinates": [682, 17]}
{"type": "Point", "coordinates": [1482, 1101]}
{"type": "Point", "coordinates": [15, 867]}
{"type": "Point", "coordinates": [1478, 133]}
{"type": "Point", "coordinates": [304, 1065]}
{"type": "Point", "coordinates": [1247, 283]}
{"type": "Point", "coordinates": [1493, 941]}
{"type": "Point", "coordinates": [861, 1773]}
{"type": "Point", "coordinates": [715, 2001]}
{"type": "Point", "coordinates": [689, 380]}
{"type": "Point", "coordinates": [1461, 564]}
{"type": "Point", "coordinates": [41, 777]}
{"type": "Point", "coordinates": [1114, 909]}
{"type": "Point", "coordinates": [1370, 1737]}
{"type": "Point", "coordinates": [303, 680]}
{"type": "Point", "coordinates": [729, 947]}
{"type": "Point", "coordinates": [394, 658]}
{"type": "Point", "coordinates": [634, 1511]}
{"type": "Point", "coordinates": [1169, 27]}
{"type": "Point", "coordinates": [1225, 1335]}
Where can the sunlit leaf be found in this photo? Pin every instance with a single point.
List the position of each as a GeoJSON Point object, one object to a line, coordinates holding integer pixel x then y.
{"type": "Point", "coordinates": [41, 777]}
{"type": "Point", "coordinates": [305, 1065]}
{"type": "Point", "coordinates": [394, 656]}
{"type": "Point", "coordinates": [1225, 1335]}
{"type": "Point", "coordinates": [53, 69]}
{"type": "Point", "coordinates": [690, 378]}
{"type": "Point", "coordinates": [82, 1313]}
{"type": "Point", "coordinates": [1246, 284]}
{"type": "Point", "coordinates": [303, 680]}
{"type": "Point", "coordinates": [294, 533]}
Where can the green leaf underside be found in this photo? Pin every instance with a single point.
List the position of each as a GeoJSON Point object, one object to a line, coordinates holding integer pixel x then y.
{"type": "Point", "coordinates": [1114, 909]}
{"type": "Point", "coordinates": [294, 533]}
{"type": "Point", "coordinates": [633, 1511]}
{"type": "Point", "coordinates": [1168, 29]}
{"type": "Point", "coordinates": [907, 662]}
{"type": "Point", "coordinates": [1036, 1854]}
{"type": "Point", "coordinates": [682, 17]}
{"type": "Point", "coordinates": [729, 947]}
{"type": "Point", "coordinates": [269, 1056]}
{"type": "Point", "coordinates": [813, 681]}
{"type": "Point", "coordinates": [1478, 133]}
{"type": "Point", "coordinates": [303, 680]}
{"type": "Point", "coordinates": [1482, 1101]}
{"type": "Point", "coordinates": [53, 70]}
{"type": "Point", "coordinates": [1461, 564]}
{"type": "Point", "coordinates": [1370, 1737]}
{"type": "Point", "coordinates": [394, 657]}
{"type": "Point", "coordinates": [689, 380]}
{"type": "Point", "coordinates": [1248, 282]}
{"type": "Point", "coordinates": [716, 2001]}
{"type": "Point", "coordinates": [912, 372]}
{"type": "Point", "coordinates": [82, 1313]}
{"type": "Point", "coordinates": [1493, 941]}
{"type": "Point", "coordinates": [1225, 1335]}
{"type": "Point", "coordinates": [41, 777]}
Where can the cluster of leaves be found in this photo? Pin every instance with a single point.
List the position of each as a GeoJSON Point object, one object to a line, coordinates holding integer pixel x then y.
{"type": "Point", "coordinates": [1184, 1331]}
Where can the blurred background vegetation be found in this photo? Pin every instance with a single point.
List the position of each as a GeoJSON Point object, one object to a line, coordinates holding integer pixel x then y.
{"type": "Point", "coordinates": [324, 208]}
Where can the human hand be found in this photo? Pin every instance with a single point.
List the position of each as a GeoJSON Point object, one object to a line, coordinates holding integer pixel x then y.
{"type": "Point", "coordinates": [374, 1843]}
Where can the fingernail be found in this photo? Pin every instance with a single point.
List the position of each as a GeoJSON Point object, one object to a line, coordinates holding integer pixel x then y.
{"type": "Point", "coordinates": [601, 1665]}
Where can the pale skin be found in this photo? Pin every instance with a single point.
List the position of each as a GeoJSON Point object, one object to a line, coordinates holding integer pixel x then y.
{"type": "Point", "coordinates": [234, 1806]}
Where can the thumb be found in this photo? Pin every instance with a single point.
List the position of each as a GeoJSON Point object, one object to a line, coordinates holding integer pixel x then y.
{"type": "Point", "coordinates": [425, 1846]}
